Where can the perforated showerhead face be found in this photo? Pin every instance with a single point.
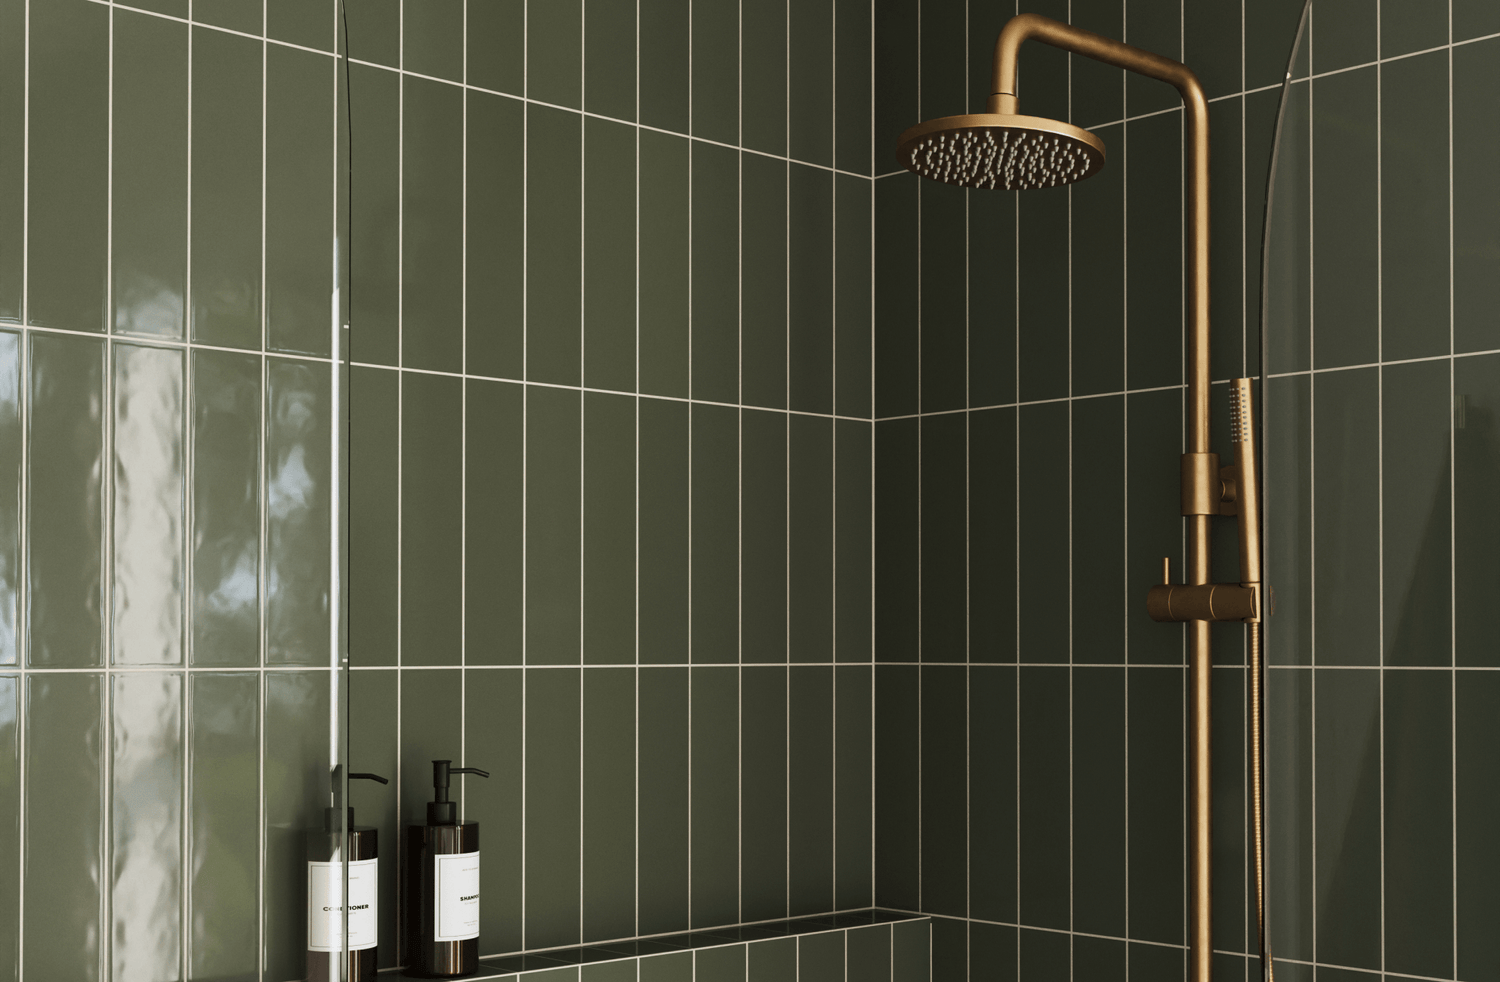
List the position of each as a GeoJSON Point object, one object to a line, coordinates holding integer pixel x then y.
{"type": "Point", "coordinates": [1008, 153]}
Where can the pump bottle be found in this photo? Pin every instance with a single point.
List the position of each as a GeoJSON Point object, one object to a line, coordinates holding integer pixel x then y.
{"type": "Point", "coordinates": [325, 889]}
{"type": "Point", "coordinates": [441, 895]}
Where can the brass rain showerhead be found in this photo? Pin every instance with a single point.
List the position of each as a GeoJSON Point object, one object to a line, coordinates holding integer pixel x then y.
{"type": "Point", "coordinates": [1000, 152]}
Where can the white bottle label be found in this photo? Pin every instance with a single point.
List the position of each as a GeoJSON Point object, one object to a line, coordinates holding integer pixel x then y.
{"type": "Point", "coordinates": [457, 886]}
{"type": "Point", "coordinates": [325, 912]}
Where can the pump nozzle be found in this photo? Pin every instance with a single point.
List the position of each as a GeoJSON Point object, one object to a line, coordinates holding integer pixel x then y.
{"type": "Point", "coordinates": [331, 815]}
{"type": "Point", "coordinates": [440, 810]}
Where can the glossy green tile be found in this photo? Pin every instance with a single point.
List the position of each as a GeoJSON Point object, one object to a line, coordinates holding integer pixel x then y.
{"type": "Point", "coordinates": [1412, 25]}
{"type": "Point", "coordinates": [715, 695]}
{"type": "Point", "coordinates": [374, 515]}
{"type": "Point", "coordinates": [1343, 33]}
{"type": "Point", "coordinates": [496, 40]}
{"type": "Point", "coordinates": [495, 333]}
{"type": "Point", "coordinates": [432, 325]}
{"type": "Point", "coordinates": [715, 269]}
{"type": "Point", "coordinates": [765, 272]}
{"type": "Point", "coordinates": [609, 83]}
{"type": "Point", "coordinates": [295, 777]}
{"type": "Point", "coordinates": [1155, 788]}
{"type": "Point", "coordinates": [810, 539]}
{"type": "Point", "coordinates": [1158, 28]}
{"type": "Point", "coordinates": [714, 516]}
{"type": "Point", "coordinates": [148, 547]}
{"type": "Point", "coordinates": [553, 519]}
{"type": "Point", "coordinates": [1044, 533]}
{"type": "Point", "coordinates": [665, 54]}
{"type": "Point", "coordinates": [1346, 533]}
{"type": "Point", "coordinates": [664, 531]}
{"type": "Point", "coordinates": [1211, 41]}
{"type": "Point", "coordinates": [1098, 530]}
{"type": "Point", "coordinates": [68, 168]}
{"type": "Point", "coordinates": [432, 510]}
{"type": "Point", "coordinates": [939, 49]}
{"type": "Point", "coordinates": [715, 60]}
{"type": "Point", "coordinates": [1153, 431]}
{"type": "Point", "coordinates": [65, 534]}
{"type": "Point", "coordinates": [1476, 458]}
{"type": "Point", "coordinates": [1234, 884]}
{"type": "Point", "coordinates": [1157, 962]}
{"type": "Point", "coordinates": [1289, 796]}
{"type": "Point", "coordinates": [1289, 270]}
{"type": "Point", "coordinates": [620, 971]}
{"type": "Point", "coordinates": [1269, 37]}
{"type": "Point", "coordinates": [1153, 341]}
{"type": "Point", "coordinates": [374, 30]}
{"type": "Point", "coordinates": [1044, 797]}
{"type": "Point", "coordinates": [820, 957]}
{"type": "Point", "coordinates": [944, 520]}
{"type": "Point", "coordinates": [1476, 795]}
{"type": "Point", "coordinates": [852, 138]}
{"type": "Point", "coordinates": [896, 266]}
{"type": "Point", "coordinates": [1348, 835]}
{"type": "Point", "coordinates": [726, 964]}
{"type": "Point", "coordinates": [554, 53]}
{"type": "Point", "coordinates": [1476, 241]}
{"type": "Point", "coordinates": [1418, 823]}
{"type": "Point", "coordinates": [312, 25]}
{"type": "Point", "coordinates": [297, 576]}
{"type": "Point", "coordinates": [895, 82]}
{"type": "Point", "coordinates": [12, 150]}
{"type": "Point", "coordinates": [662, 903]}
{"type": "Point", "coordinates": [992, 536]}
{"type": "Point", "coordinates": [1288, 488]}
{"type": "Point", "coordinates": [944, 297]}
{"type": "Point", "coordinates": [1236, 343]}
{"type": "Point", "coordinates": [1042, 277]}
{"type": "Point", "coordinates": [146, 800]}
{"type": "Point", "coordinates": [853, 811]}
{"type": "Point", "coordinates": [609, 257]}
{"type": "Point", "coordinates": [897, 788]}
{"type": "Point", "coordinates": [150, 175]}
{"type": "Point", "coordinates": [609, 832]}
{"type": "Point", "coordinates": [810, 779]}
{"type": "Point", "coordinates": [992, 793]}
{"type": "Point", "coordinates": [10, 822]}
{"type": "Point", "coordinates": [810, 75]}
{"type": "Point", "coordinates": [1258, 121]}
{"type": "Point", "coordinates": [950, 949]}
{"type": "Point", "coordinates": [771, 961]}
{"type": "Point", "coordinates": [663, 258]}
{"type": "Point", "coordinates": [995, 946]}
{"type": "Point", "coordinates": [763, 77]}
{"type": "Point", "coordinates": [553, 758]}
{"type": "Point", "coordinates": [374, 250]}
{"type": "Point", "coordinates": [431, 716]}
{"type": "Point", "coordinates": [493, 714]}
{"type": "Point", "coordinates": [554, 245]}
{"type": "Point", "coordinates": [676, 967]}
{"type": "Point", "coordinates": [1417, 507]}
{"type": "Point", "coordinates": [764, 756]}
{"type": "Point", "coordinates": [1098, 89]}
{"type": "Point", "coordinates": [911, 942]}
{"type": "Point", "coordinates": [1098, 800]}
{"type": "Point", "coordinates": [868, 953]}
{"type": "Point", "coordinates": [10, 495]}
{"type": "Point", "coordinates": [764, 537]}
{"type": "Point", "coordinates": [897, 543]}
{"type": "Point", "coordinates": [1414, 206]}
{"type": "Point", "coordinates": [853, 545]}
{"type": "Point", "coordinates": [609, 530]}
{"type": "Point", "coordinates": [853, 233]}
{"type": "Point", "coordinates": [945, 791]}
{"type": "Point", "coordinates": [1473, 18]}
{"type": "Point", "coordinates": [226, 189]}
{"type": "Point", "coordinates": [374, 749]}
{"type": "Point", "coordinates": [494, 524]}
{"type": "Point", "coordinates": [810, 289]}
{"type": "Point", "coordinates": [432, 39]}
{"type": "Point", "coordinates": [64, 825]}
{"type": "Point", "coordinates": [1098, 299]}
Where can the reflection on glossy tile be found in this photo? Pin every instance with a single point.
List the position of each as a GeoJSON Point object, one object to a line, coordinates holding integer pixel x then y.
{"type": "Point", "coordinates": [148, 506]}
{"type": "Point", "coordinates": [10, 825]}
{"type": "Point", "coordinates": [66, 516]}
{"type": "Point", "coordinates": [146, 827]}
{"type": "Point", "coordinates": [10, 493]}
{"type": "Point", "coordinates": [297, 505]}
{"type": "Point", "coordinates": [64, 827]}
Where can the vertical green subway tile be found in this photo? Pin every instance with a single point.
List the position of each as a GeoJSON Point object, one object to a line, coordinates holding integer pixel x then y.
{"type": "Point", "coordinates": [764, 271]}
{"type": "Point", "coordinates": [495, 334]}
{"type": "Point", "coordinates": [553, 759]}
{"type": "Point", "coordinates": [1289, 796]}
{"type": "Point", "coordinates": [432, 454]}
{"type": "Point", "coordinates": [1236, 347]}
{"type": "Point", "coordinates": [375, 229]}
{"type": "Point", "coordinates": [1098, 792]}
{"type": "Point", "coordinates": [609, 529]}
{"type": "Point", "coordinates": [493, 714]}
{"type": "Point", "coordinates": [1158, 28]}
{"type": "Point", "coordinates": [146, 800]}
{"type": "Point", "coordinates": [1345, 208]}
{"type": "Point", "coordinates": [810, 289]}
{"type": "Point", "coordinates": [433, 226]}
{"type": "Point", "coordinates": [1233, 852]}
{"type": "Point", "coordinates": [820, 957]}
{"type": "Point", "coordinates": [1155, 704]}
{"type": "Point", "coordinates": [375, 30]}
{"type": "Point", "coordinates": [938, 47]}
{"type": "Point", "coordinates": [432, 39]}
{"type": "Point", "coordinates": [1476, 214]}
{"type": "Point", "coordinates": [943, 530]}
{"type": "Point", "coordinates": [810, 74]}
{"type": "Point", "coordinates": [1476, 771]}
{"type": "Point", "coordinates": [1476, 466]}
{"type": "Point", "coordinates": [63, 816]}
{"type": "Point", "coordinates": [1098, 257]}
{"type": "Point", "coordinates": [771, 961]}
{"type": "Point", "coordinates": [609, 260]}
{"type": "Point", "coordinates": [374, 514]}
{"type": "Point", "coordinates": [1044, 797]}
{"type": "Point", "coordinates": [1158, 962]}
{"type": "Point", "coordinates": [65, 539]}
{"type": "Point", "coordinates": [148, 528]}
{"type": "Point", "coordinates": [1474, 18]}
{"type": "Point", "coordinates": [897, 261]}
{"type": "Point", "coordinates": [494, 524]}
{"type": "Point", "coordinates": [944, 303]}
{"type": "Point", "coordinates": [897, 788]}
{"type": "Point", "coordinates": [12, 152]}
{"type": "Point", "coordinates": [810, 563]}
{"type": "Point", "coordinates": [1268, 42]}
{"type": "Point", "coordinates": [676, 967]}
{"type": "Point", "coordinates": [715, 796]}
{"type": "Point", "coordinates": [431, 720]}
{"type": "Point", "coordinates": [554, 53]}
{"type": "Point", "coordinates": [609, 82]}
{"type": "Point", "coordinates": [1347, 755]}
{"type": "Point", "coordinates": [763, 783]}
{"type": "Point", "coordinates": [225, 296]}
{"type": "Point", "coordinates": [1098, 538]}
{"type": "Point", "coordinates": [1345, 33]}
{"type": "Point", "coordinates": [869, 952]}
{"type": "Point", "coordinates": [715, 182]}
{"type": "Point", "coordinates": [996, 945]}
{"type": "Point", "coordinates": [763, 77]}
{"type": "Point", "coordinates": [853, 545]}
{"type": "Point", "coordinates": [992, 536]}
{"type": "Point", "coordinates": [609, 782]}
{"type": "Point", "coordinates": [1416, 500]}
{"type": "Point", "coordinates": [911, 950]}
{"type": "Point", "coordinates": [1257, 119]}
{"type": "Point", "coordinates": [853, 234]}
{"type": "Point", "coordinates": [662, 884]}
{"type": "Point", "coordinates": [1153, 240]}
{"type": "Point", "coordinates": [950, 948]}
{"type": "Point", "coordinates": [313, 25]}
{"type": "Point", "coordinates": [1041, 279]}
{"type": "Point", "coordinates": [1044, 533]}
{"type": "Point", "coordinates": [10, 497]}
{"type": "Point", "coordinates": [895, 84]}
{"type": "Point", "coordinates": [714, 512]}
{"type": "Point", "coordinates": [665, 54]}
{"type": "Point", "coordinates": [664, 531]}
{"type": "Point", "coordinates": [1212, 43]}
{"type": "Point", "coordinates": [554, 245]}
{"type": "Point", "coordinates": [897, 544]}
{"type": "Point", "coordinates": [663, 264]}
{"type": "Point", "coordinates": [496, 40]}
{"type": "Point", "coordinates": [297, 492]}
{"type": "Point", "coordinates": [851, 56]}
{"type": "Point", "coordinates": [854, 750]}
{"type": "Point", "coordinates": [764, 503]}
{"type": "Point", "coordinates": [725, 964]}
{"type": "Point", "coordinates": [617, 971]}
{"type": "Point", "coordinates": [1153, 434]}
{"type": "Point", "coordinates": [1414, 220]}
{"type": "Point", "coordinates": [300, 122]}
{"type": "Point", "coordinates": [1418, 860]}
{"type": "Point", "coordinates": [992, 793]}
{"type": "Point", "coordinates": [1288, 271]}
{"type": "Point", "coordinates": [245, 16]}
{"type": "Point", "coordinates": [10, 825]}
{"type": "Point", "coordinates": [715, 60]}
{"type": "Point", "coordinates": [1287, 484]}
{"type": "Point", "coordinates": [150, 175]}
{"type": "Point", "coordinates": [1412, 25]}
{"type": "Point", "coordinates": [296, 776]}
{"type": "Point", "coordinates": [1346, 534]}
{"type": "Point", "coordinates": [375, 749]}
{"type": "Point", "coordinates": [553, 516]}
{"type": "Point", "coordinates": [810, 778]}
{"type": "Point", "coordinates": [68, 172]}
{"type": "Point", "coordinates": [945, 790]}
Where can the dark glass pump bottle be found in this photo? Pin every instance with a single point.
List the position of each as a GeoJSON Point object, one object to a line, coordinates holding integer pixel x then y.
{"type": "Point", "coordinates": [441, 892]}
{"type": "Point", "coordinates": [323, 863]}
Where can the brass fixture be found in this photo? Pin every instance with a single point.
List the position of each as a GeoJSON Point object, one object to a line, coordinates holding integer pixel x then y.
{"type": "Point", "coordinates": [1002, 149]}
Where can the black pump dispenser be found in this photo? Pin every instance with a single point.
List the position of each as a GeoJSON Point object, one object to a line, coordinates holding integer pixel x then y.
{"type": "Point", "coordinates": [441, 811]}
{"type": "Point", "coordinates": [346, 854]}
